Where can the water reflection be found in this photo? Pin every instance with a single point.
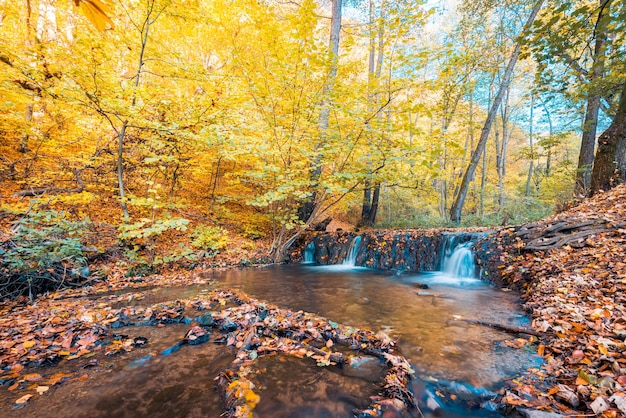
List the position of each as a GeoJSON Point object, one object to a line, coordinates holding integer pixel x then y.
{"type": "Point", "coordinates": [423, 320]}
{"type": "Point", "coordinates": [450, 356]}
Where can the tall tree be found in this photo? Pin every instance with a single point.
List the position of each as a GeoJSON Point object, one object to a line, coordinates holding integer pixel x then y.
{"type": "Point", "coordinates": [307, 210]}
{"type": "Point", "coordinates": [609, 168]}
{"type": "Point", "coordinates": [457, 206]}
{"type": "Point", "coordinates": [590, 123]}
{"type": "Point", "coordinates": [371, 193]}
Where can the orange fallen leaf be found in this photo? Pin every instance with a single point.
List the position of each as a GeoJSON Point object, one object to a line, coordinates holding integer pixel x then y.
{"type": "Point", "coordinates": [57, 378]}
{"type": "Point", "coordinates": [28, 344]}
{"type": "Point", "coordinates": [42, 389]}
{"type": "Point", "coordinates": [24, 399]}
{"type": "Point", "coordinates": [581, 381]}
{"type": "Point", "coordinates": [32, 377]}
{"type": "Point", "coordinates": [83, 378]}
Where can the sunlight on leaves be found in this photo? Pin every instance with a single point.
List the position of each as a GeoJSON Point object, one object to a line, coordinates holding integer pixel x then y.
{"type": "Point", "coordinates": [97, 12]}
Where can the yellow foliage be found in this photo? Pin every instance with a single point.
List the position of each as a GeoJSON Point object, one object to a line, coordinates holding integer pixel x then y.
{"type": "Point", "coordinates": [96, 11]}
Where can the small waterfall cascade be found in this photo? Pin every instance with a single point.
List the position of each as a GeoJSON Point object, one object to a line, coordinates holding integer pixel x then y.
{"type": "Point", "coordinates": [459, 259]}
{"type": "Point", "coordinates": [309, 253]}
{"type": "Point", "coordinates": [350, 259]}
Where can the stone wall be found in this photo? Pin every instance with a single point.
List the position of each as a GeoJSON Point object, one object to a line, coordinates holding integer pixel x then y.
{"type": "Point", "coordinates": [412, 250]}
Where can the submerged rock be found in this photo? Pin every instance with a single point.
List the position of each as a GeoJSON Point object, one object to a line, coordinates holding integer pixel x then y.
{"type": "Point", "coordinates": [364, 367]}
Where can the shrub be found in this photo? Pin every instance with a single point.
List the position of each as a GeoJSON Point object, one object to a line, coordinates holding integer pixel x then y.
{"type": "Point", "coordinates": [139, 240]}
{"type": "Point", "coordinates": [45, 252]}
{"type": "Point", "coordinates": [210, 238]}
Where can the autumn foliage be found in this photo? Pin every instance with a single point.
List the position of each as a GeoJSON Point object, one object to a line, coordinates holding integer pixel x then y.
{"type": "Point", "coordinates": [575, 292]}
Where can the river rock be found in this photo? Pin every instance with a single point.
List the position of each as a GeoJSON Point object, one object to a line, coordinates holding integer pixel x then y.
{"type": "Point", "coordinates": [228, 326]}
{"type": "Point", "coordinates": [364, 367]}
{"type": "Point", "coordinates": [206, 320]}
{"type": "Point", "coordinates": [534, 413]}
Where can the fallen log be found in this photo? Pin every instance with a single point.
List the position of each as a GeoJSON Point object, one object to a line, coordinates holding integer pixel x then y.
{"type": "Point", "coordinates": [507, 328]}
{"type": "Point", "coordinates": [542, 244]}
{"type": "Point", "coordinates": [35, 192]}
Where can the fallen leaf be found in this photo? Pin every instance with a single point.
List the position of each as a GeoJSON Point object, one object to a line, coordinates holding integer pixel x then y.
{"type": "Point", "coordinates": [24, 399]}
{"type": "Point", "coordinates": [42, 389]}
{"type": "Point", "coordinates": [619, 401]}
{"type": "Point", "coordinates": [599, 405]}
{"type": "Point", "coordinates": [32, 377]}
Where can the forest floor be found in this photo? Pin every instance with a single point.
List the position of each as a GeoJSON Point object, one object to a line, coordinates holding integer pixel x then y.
{"type": "Point", "coordinates": [574, 294]}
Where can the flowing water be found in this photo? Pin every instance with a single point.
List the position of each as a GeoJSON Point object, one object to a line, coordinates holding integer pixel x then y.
{"type": "Point", "coordinates": [352, 252]}
{"type": "Point", "coordinates": [420, 310]}
{"type": "Point", "coordinates": [309, 252]}
{"type": "Point", "coordinates": [460, 262]}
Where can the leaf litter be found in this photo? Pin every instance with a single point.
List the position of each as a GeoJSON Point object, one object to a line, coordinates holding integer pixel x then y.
{"type": "Point", "coordinates": [61, 329]}
{"type": "Point", "coordinates": [575, 292]}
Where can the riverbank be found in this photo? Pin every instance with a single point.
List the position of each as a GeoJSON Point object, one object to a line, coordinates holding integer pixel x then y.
{"type": "Point", "coordinates": [575, 293]}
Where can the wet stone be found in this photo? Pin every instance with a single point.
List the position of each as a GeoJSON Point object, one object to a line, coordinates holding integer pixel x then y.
{"type": "Point", "coordinates": [364, 367]}
{"type": "Point", "coordinates": [206, 320]}
{"type": "Point", "coordinates": [228, 326]}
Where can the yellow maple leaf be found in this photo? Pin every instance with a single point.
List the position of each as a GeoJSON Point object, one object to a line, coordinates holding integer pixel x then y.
{"type": "Point", "coordinates": [96, 11]}
{"type": "Point", "coordinates": [251, 398]}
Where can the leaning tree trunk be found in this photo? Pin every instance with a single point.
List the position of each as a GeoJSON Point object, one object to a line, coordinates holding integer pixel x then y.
{"type": "Point", "coordinates": [609, 168]}
{"type": "Point", "coordinates": [457, 206]}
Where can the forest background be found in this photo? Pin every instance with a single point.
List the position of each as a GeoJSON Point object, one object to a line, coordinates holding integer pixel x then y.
{"type": "Point", "coordinates": [178, 129]}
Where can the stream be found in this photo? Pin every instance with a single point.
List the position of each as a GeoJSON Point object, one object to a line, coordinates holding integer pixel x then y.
{"type": "Point", "coordinates": [459, 366]}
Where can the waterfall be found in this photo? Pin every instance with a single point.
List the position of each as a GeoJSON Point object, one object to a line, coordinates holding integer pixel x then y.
{"type": "Point", "coordinates": [459, 260]}
{"type": "Point", "coordinates": [309, 253]}
{"type": "Point", "coordinates": [350, 259]}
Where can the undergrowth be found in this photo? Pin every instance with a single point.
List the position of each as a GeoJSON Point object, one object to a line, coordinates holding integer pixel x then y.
{"type": "Point", "coordinates": [43, 253]}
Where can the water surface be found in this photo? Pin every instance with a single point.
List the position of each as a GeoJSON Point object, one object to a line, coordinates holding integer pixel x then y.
{"type": "Point", "coordinates": [451, 357]}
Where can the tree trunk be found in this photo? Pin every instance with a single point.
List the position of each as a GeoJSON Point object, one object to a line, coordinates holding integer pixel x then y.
{"type": "Point", "coordinates": [374, 206]}
{"type": "Point", "coordinates": [121, 133]}
{"type": "Point", "coordinates": [366, 207]}
{"type": "Point", "coordinates": [483, 179]}
{"type": "Point", "coordinates": [307, 208]}
{"type": "Point", "coordinates": [28, 117]}
{"type": "Point", "coordinates": [457, 206]}
{"type": "Point", "coordinates": [531, 148]}
{"type": "Point", "coordinates": [550, 143]}
{"type": "Point", "coordinates": [590, 123]}
{"type": "Point", "coordinates": [371, 197]}
{"type": "Point", "coordinates": [120, 170]}
{"type": "Point", "coordinates": [609, 168]}
{"type": "Point", "coordinates": [501, 152]}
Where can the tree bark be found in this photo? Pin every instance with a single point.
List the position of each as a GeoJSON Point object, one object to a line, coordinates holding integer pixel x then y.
{"type": "Point", "coordinates": [590, 123]}
{"type": "Point", "coordinates": [28, 117]}
{"type": "Point", "coordinates": [609, 168]}
{"type": "Point", "coordinates": [457, 206]}
{"type": "Point", "coordinates": [366, 206]}
{"type": "Point", "coordinates": [531, 146]}
{"type": "Point", "coordinates": [371, 196]}
{"type": "Point", "coordinates": [307, 208]}
{"type": "Point", "coordinates": [501, 154]}
{"type": "Point", "coordinates": [374, 205]}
